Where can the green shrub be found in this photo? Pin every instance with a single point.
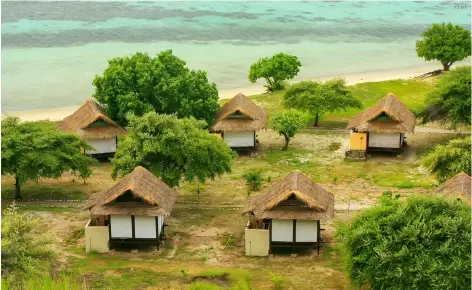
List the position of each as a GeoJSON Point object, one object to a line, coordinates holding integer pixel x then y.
{"type": "Point", "coordinates": [333, 146]}
{"type": "Point", "coordinates": [277, 280]}
{"type": "Point", "coordinates": [421, 243]}
{"type": "Point", "coordinates": [44, 282]}
{"type": "Point", "coordinates": [254, 179]}
{"type": "Point", "coordinates": [24, 246]}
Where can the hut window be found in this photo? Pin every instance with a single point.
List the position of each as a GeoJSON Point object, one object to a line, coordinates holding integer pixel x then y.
{"type": "Point", "coordinates": [383, 117]}
{"type": "Point", "coordinates": [98, 123]}
{"type": "Point", "coordinates": [237, 115]}
{"type": "Point", "coordinates": [128, 196]}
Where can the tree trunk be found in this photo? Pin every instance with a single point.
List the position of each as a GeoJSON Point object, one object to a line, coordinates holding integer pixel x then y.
{"type": "Point", "coordinates": [198, 195]}
{"type": "Point", "coordinates": [17, 188]}
{"type": "Point", "coordinates": [286, 143]}
{"type": "Point", "coordinates": [317, 119]}
{"type": "Point", "coordinates": [446, 66]}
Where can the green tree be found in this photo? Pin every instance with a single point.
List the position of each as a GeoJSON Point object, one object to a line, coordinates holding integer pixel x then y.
{"type": "Point", "coordinates": [24, 246]}
{"type": "Point", "coordinates": [319, 98]}
{"type": "Point", "coordinates": [421, 243]}
{"type": "Point", "coordinates": [173, 149]}
{"type": "Point", "coordinates": [287, 124]}
{"type": "Point", "coordinates": [140, 84]}
{"type": "Point", "coordinates": [275, 70]}
{"type": "Point", "coordinates": [451, 99]}
{"type": "Point", "coordinates": [34, 150]}
{"type": "Point", "coordinates": [446, 43]}
{"type": "Point", "coordinates": [445, 161]}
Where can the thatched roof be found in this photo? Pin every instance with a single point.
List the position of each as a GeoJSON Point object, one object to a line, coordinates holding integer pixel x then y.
{"type": "Point", "coordinates": [157, 198]}
{"type": "Point", "coordinates": [88, 113]}
{"type": "Point", "coordinates": [318, 202]}
{"type": "Point", "coordinates": [256, 116]}
{"type": "Point", "coordinates": [403, 120]}
{"type": "Point", "coordinates": [458, 186]}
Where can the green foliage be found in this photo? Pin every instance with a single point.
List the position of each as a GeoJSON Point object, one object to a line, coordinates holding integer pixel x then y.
{"type": "Point", "coordinates": [333, 146]}
{"type": "Point", "coordinates": [446, 43]}
{"type": "Point", "coordinates": [451, 99]}
{"type": "Point", "coordinates": [287, 123]}
{"type": "Point", "coordinates": [318, 98]}
{"type": "Point", "coordinates": [421, 243]}
{"type": "Point", "coordinates": [140, 84]}
{"type": "Point", "coordinates": [24, 247]}
{"type": "Point", "coordinates": [445, 161]}
{"type": "Point", "coordinates": [35, 282]}
{"type": "Point", "coordinates": [254, 179]}
{"type": "Point", "coordinates": [276, 280]}
{"type": "Point", "coordinates": [275, 70]}
{"type": "Point", "coordinates": [173, 149]}
{"type": "Point", "coordinates": [34, 150]}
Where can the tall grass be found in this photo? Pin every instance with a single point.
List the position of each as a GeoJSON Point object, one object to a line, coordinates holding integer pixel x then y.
{"type": "Point", "coordinates": [64, 282]}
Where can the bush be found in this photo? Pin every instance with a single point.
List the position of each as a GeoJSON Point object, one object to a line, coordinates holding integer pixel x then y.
{"type": "Point", "coordinates": [24, 247]}
{"type": "Point", "coordinates": [254, 179]}
{"type": "Point", "coordinates": [36, 282]}
{"type": "Point", "coordinates": [333, 146]}
{"type": "Point", "coordinates": [204, 286]}
{"type": "Point", "coordinates": [421, 243]}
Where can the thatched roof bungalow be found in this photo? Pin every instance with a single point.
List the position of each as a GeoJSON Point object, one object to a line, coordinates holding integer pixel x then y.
{"type": "Point", "coordinates": [287, 215]}
{"type": "Point", "coordinates": [381, 126]}
{"type": "Point", "coordinates": [131, 211]}
{"type": "Point", "coordinates": [238, 120]}
{"type": "Point", "coordinates": [92, 123]}
{"type": "Point", "coordinates": [458, 187]}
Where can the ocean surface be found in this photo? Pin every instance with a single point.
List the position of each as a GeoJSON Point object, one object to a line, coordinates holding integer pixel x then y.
{"type": "Point", "coordinates": [51, 51]}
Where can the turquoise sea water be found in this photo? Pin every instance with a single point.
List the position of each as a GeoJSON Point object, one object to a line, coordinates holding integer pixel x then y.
{"type": "Point", "coordinates": [51, 51]}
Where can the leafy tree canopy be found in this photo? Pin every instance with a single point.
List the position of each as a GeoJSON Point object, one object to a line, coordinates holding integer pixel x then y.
{"type": "Point", "coordinates": [446, 43]}
{"type": "Point", "coordinates": [319, 98]}
{"type": "Point", "coordinates": [34, 150]}
{"type": "Point", "coordinates": [140, 84]}
{"type": "Point", "coordinates": [287, 124]}
{"type": "Point", "coordinates": [173, 149]}
{"type": "Point", "coordinates": [275, 70]}
{"type": "Point", "coordinates": [421, 243]}
{"type": "Point", "coordinates": [24, 246]}
{"type": "Point", "coordinates": [445, 161]}
{"type": "Point", "coordinates": [451, 99]}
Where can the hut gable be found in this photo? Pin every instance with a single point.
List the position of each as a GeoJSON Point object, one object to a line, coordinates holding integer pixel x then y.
{"type": "Point", "coordinates": [458, 186]}
{"type": "Point", "coordinates": [240, 114]}
{"type": "Point", "coordinates": [139, 193]}
{"type": "Point", "coordinates": [294, 197]}
{"type": "Point", "coordinates": [91, 122]}
{"type": "Point", "coordinates": [389, 115]}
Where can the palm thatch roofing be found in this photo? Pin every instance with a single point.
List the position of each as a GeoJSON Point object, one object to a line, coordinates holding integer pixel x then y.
{"type": "Point", "coordinates": [402, 119]}
{"type": "Point", "coordinates": [255, 118]}
{"type": "Point", "coordinates": [318, 203]}
{"type": "Point", "coordinates": [79, 122]}
{"type": "Point", "coordinates": [157, 199]}
{"type": "Point", "coordinates": [458, 186]}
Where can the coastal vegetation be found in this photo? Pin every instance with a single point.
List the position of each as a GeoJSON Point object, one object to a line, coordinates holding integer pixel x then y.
{"type": "Point", "coordinates": [275, 70]}
{"type": "Point", "coordinates": [35, 150]}
{"type": "Point", "coordinates": [445, 161]}
{"type": "Point", "coordinates": [173, 149]}
{"type": "Point", "coordinates": [163, 84]}
{"type": "Point", "coordinates": [420, 243]}
{"type": "Point", "coordinates": [446, 43]}
{"type": "Point", "coordinates": [450, 101]}
{"type": "Point", "coordinates": [319, 98]}
{"type": "Point", "coordinates": [287, 124]}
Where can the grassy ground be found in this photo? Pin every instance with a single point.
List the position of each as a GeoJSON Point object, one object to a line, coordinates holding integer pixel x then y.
{"type": "Point", "coordinates": [206, 246]}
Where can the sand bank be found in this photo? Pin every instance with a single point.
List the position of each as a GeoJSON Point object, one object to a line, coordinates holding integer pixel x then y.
{"type": "Point", "coordinates": [55, 114]}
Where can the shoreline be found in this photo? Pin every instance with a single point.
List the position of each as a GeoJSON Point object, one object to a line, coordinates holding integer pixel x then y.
{"type": "Point", "coordinates": [57, 114]}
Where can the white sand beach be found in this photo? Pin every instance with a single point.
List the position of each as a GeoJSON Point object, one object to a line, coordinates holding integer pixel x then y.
{"type": "Point", "coordinates": [55, 114]}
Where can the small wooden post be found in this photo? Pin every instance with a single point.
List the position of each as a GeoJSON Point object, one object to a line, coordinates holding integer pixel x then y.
{"type": "Point", "coordinates": [109, 233]}
{"type": "Point", "coordinates": [132, 227]}
{"type": "Point", "coordinates": [318, 238]}
{"type": "Point", "coordinates": [157, 231]}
